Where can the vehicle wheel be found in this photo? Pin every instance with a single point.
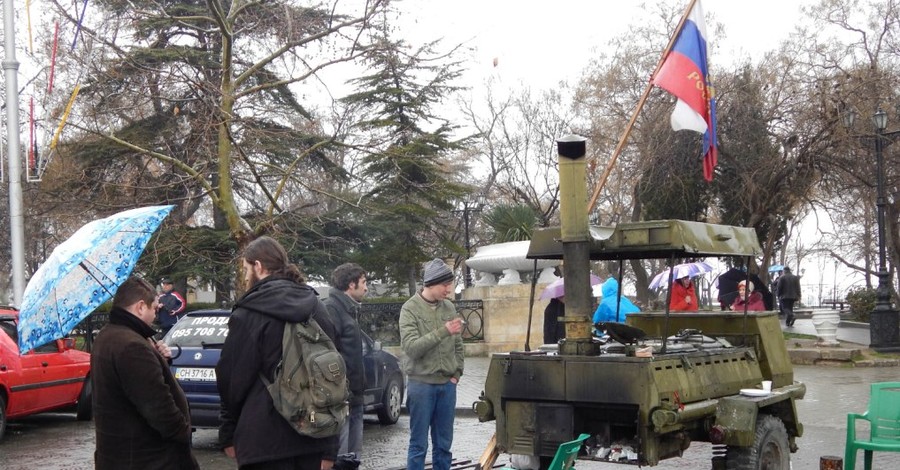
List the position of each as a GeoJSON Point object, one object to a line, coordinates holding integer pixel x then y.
{"type": "Point", "coordinates": [391, 402]}
{"type": "Point", "coordinates": [770, 449]}
{"type": "Point", "coordinates": [2, 415]}
{"type": "Point", "coordinates": [545, 462]}
{"type": "Point", "coordinates": [84, 410]}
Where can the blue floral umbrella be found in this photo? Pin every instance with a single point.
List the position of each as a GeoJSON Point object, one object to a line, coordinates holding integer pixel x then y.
{"type": "Point", "coordinates": [83, 272]}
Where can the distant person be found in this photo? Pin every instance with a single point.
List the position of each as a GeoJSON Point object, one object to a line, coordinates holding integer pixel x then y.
{"type": "Point", "coordinates": [754, 301]}
{"type": "Point", "coordinates": [684, 297]}
{"type": "Point", "coordinates": [727, 285]}
{"type": "Point", "coordinates": [141, 416]}
{"type": "Point", "coordinates": [171, 306]}
{"type": "Point", "coordinates": [609, 310]}
{"type": "Point", "coordinates": [788, 291]}
{"type": "Point", "coordinates": [431, 337]}
{"type": "Point", "coordinates": [554, 330]}
{"type": "Point", "coordinates": [348, 283]}
{"type": "Point", "coordinates": [252, 431]}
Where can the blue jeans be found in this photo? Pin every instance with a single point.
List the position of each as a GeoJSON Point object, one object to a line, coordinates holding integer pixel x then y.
{"type": "Point", "coordinates": [431, 406]}
{"type": "Point", "coordinates": [352, 431]}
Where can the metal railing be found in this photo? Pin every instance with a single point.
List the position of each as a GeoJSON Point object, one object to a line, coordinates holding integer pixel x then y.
{"type": "Point", "coordinates": [381, 321]}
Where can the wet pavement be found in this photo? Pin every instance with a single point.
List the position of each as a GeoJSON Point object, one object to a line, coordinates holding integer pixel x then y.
{"type": "Point", "coordinates": [58, 441]}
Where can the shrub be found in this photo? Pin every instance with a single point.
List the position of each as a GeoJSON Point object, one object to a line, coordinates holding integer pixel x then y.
{"type": "Point", "coordinates": [862, 301]}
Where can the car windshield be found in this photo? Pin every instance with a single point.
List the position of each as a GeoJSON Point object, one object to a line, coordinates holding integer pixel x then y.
{"type": "Point", "coordinates": [203, 331]}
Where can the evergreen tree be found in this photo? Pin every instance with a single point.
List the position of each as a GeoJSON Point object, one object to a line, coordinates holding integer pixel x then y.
{"type": "Point", "coordinates": [408, 161]}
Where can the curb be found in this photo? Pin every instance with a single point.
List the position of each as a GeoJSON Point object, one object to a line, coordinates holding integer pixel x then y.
{"type": "Point", "coordinates": [838, 357]}
{"type": "Point", "coordinates": [459, 412]}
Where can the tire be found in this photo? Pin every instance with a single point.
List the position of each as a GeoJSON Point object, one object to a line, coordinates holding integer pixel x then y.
{"type": "Point", "coordinates": [770, 449]}
{"type": "Point", "coordinates": [2, 415]}
{"type": "Point", "coordinates": [84, 410]}
{"type": "Point", "coordinates": [545, 462]}
{"type": "Point", "coordinates": [391, 402]}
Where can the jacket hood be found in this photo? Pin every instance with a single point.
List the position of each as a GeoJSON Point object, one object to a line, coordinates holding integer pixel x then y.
{"type": "Point", "coordinates": [610, 288]}
{"type": "Point", "coordinates": [280, 298]}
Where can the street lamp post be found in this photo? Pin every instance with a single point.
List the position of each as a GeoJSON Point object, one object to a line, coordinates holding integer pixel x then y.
{"type": "Point", "coordinates": [884, 324]}
{"type": "Point", "coordinates": [469, 206]}
{"type": "Point", "coordinates": [834, 294]}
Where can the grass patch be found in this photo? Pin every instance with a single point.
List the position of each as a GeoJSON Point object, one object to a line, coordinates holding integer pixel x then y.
{"type": "Point", "coordinates": [881, 355]}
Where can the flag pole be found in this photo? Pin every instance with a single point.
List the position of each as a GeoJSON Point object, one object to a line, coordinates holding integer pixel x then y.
{"type": "Point", "coordinates": [612, 161]}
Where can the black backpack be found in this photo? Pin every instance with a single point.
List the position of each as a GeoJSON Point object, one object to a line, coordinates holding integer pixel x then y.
{"type": "Point", "coordinates": [310, 387]}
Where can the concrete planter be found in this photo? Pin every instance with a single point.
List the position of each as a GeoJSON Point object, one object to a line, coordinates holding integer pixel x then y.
{"type": "Point", "coordinates": [826, 324]}
{"type": "Point", "coordinates": [509, 259]}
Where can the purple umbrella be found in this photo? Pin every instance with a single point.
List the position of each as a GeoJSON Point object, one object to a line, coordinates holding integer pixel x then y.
{"type": "Point", "coordinates": [557, 288]}
{"type": "Point", "coordinates": [681, 270]}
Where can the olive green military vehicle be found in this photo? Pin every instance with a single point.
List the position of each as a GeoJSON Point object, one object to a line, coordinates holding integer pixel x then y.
{"type": "Point", "coordinates": [673, 379]}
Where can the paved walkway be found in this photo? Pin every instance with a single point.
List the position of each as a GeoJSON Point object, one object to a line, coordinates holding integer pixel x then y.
{"type": "Point", "coordinates": [851, 332]}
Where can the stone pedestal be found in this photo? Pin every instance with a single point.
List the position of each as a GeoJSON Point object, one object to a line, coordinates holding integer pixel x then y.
{"type": "Point", "coordinates": [826, 324]}
{"type": "Point", "coordinates": [506, 316]}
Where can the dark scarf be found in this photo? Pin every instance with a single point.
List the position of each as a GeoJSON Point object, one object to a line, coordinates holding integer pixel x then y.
{"type": "Point", "coordinates": [119, 316]}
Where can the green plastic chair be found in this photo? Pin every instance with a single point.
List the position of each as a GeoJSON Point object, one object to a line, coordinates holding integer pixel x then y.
{"type": "Point", "coordinates": [883, 416]}
{"type": "Point", "coordinates": [565, 454]}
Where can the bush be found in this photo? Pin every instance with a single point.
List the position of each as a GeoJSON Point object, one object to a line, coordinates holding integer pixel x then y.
{"type": "Point", "coordinates": [862, 301]}
{"type": "Point", "coordinates": [193, 307]}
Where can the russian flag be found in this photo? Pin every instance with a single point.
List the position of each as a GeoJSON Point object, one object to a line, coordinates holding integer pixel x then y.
{"type": "Point", "coordinates": [684, 73]}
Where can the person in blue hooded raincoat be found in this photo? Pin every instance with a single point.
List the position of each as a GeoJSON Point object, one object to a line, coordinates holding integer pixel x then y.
{"type": "Point", "coordinates": [606, 311]}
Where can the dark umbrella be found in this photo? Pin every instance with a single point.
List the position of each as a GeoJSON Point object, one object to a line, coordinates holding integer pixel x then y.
{"type": "Point", "coordinates": [727, 285]}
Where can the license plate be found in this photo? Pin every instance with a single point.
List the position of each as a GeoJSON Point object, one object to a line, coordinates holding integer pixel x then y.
{"type": "Point", "coordinates": [196, 373]}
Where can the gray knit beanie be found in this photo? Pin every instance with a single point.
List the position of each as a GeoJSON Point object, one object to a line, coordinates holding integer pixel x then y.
{"type": "Point", "coordinates": [436, 272]}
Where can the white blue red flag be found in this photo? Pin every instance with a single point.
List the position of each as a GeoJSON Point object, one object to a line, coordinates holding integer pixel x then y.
{"type": "Point", "coordinates": [685, 74]}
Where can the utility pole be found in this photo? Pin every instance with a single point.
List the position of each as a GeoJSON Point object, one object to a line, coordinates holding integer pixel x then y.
{"type": "Point", "coordinates": [16, 214]}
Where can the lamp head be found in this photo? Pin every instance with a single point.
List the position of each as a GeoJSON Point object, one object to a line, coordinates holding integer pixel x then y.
{"type": "Point", "coordinates": [880, 120]}
{"type": "Point", "coordinates": [849, 117]}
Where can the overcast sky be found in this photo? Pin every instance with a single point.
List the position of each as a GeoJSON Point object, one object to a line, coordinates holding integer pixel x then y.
{"type": "Point", "coordinates": [540, 46]}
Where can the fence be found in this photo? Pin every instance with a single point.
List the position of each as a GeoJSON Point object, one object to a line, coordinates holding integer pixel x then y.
{"type": "Point", "coordinates": [379, 321]}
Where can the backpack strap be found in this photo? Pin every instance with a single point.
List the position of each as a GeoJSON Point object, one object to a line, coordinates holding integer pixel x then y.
{"type": "Point", "coordinates": [288, 341]}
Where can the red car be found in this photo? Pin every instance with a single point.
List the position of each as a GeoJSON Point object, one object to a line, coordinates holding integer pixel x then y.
{"type": "Point", "coordinates": [51, 377]}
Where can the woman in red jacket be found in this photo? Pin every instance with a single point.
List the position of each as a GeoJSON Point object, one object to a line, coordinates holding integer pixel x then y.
{"type": "Point", "coordinates": [754, 299]}
{"type": "Point", "coordinates": [684, 299]}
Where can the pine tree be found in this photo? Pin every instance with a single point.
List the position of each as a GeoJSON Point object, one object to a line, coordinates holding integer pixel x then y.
{"type": "Point", "coordinates": [408, 161]}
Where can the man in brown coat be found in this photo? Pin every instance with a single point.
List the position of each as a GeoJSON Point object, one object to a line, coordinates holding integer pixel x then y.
{"type": "Point", "coordinates": [140, 413]}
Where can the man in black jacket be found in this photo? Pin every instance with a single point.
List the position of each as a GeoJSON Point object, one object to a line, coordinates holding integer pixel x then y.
{"type": "Point", "coordinates": [141, 415]}
{"type": "Point", "coordinates": [788, 291]}
{"type": "Point", "coordinates": [348, 289]}
{"type": "Point", "coordinates": [171, 306]}
{"type": "Point", "coordinates": [252, 431]}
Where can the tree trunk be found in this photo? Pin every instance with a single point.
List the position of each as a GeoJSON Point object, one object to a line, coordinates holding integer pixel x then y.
{"type": "Point", "coordinates": [411, 281]}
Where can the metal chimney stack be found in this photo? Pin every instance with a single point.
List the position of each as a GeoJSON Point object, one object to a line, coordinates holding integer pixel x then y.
{"type": "Point", "coordinates": [576, 245]}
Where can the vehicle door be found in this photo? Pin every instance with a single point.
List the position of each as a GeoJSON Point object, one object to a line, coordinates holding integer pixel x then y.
{"type": "Point", "coordinates": [19, 373]}
{"type": "Point", "coordinates": [52, 374]}
{"type": "Point", "coordinates": [373, 367]}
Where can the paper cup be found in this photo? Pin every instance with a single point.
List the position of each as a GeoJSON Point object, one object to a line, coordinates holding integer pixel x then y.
{"type": "Point", "coordinates": [767, 385]}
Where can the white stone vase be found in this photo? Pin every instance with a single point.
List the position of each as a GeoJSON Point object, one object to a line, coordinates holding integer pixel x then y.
{"type": "Point", "coordinates": [826, 323]}
{"type": "Point", "coordinates": [507, 259]}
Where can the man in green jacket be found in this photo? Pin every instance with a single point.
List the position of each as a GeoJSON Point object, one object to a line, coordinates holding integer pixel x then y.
{"type": "Point", "coordinates": [431, 337]}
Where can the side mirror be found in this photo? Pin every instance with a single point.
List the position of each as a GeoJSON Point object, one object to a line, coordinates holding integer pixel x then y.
{"type": "Point", "coordinates": [67, 344]}
{"type": "Point", "coordinates": [377, 346]}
